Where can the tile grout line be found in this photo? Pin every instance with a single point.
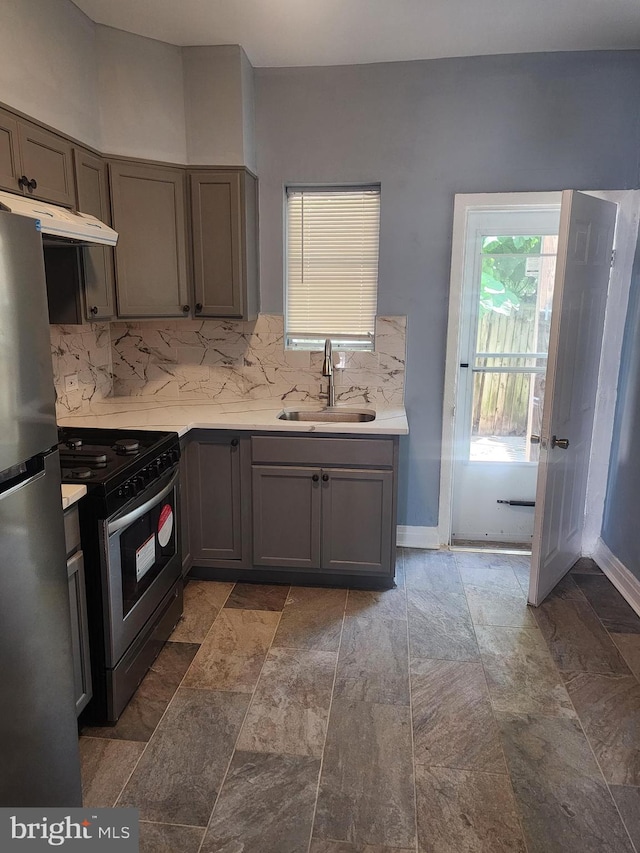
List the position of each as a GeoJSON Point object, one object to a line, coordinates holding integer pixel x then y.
{"type": "Point", "coordinates": [244, 719]}
{"type": "Point", "coordinates": [413, 744]}
{"type": "Point", "coordinates": [335, 674]}
{"type": "Point", "coordinates": [169, 703]}
{"type": "Point", "coordinates": [517, 809]}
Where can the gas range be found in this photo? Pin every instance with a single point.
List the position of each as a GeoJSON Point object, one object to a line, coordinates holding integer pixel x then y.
{"type": "Point", "coordinates": [114, 464]}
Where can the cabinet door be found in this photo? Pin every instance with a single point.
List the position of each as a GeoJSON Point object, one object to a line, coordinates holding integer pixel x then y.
{"type": "Point", "coordinates": [286, 517]}
{"type": "Point", "coordinates": [357, 514]}
{"type": "Point", "coordinates": [217, 243]}
{"type": "Point", "coordinates": [215, 499]}
{"type": "Point", "coordinates": [185, 517]}
{"type": "Point", "coordinates": [92, 193]}
{"type": "Point", "coordinates": [148, 206]}
{"type": "Point", "coordinates": [79, 631]}
{"type": "Point", "coordinates": [9, 153]}
{"type": "Point", "coordinates": [47, 160]}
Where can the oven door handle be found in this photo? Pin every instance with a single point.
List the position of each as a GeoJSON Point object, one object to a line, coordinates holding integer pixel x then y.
{"type": "Point", "coordinates": [138, 512]}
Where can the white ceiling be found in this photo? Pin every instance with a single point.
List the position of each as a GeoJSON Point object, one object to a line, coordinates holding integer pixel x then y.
{"type": "Point", "coordinates": [343, 32]}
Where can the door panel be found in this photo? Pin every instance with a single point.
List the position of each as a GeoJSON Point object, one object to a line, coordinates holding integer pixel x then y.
{"type": "Point", "coordinates": [215, 499]}
{"type": "Point", "coordinates": [47, 159]}
{"type": "Point", "coordinates": [582, 279]}
{"type": "Point", "coordinates": [286, 517]}
{"type": "Point", "coordinates": [9, 153]}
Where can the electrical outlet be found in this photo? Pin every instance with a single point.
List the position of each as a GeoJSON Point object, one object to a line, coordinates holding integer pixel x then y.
{"type": "Point", "coordinates": [71, 382]}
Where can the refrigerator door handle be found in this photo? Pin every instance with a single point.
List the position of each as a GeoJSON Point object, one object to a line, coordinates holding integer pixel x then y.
{"type": "Point", "coordinates": [25, 479]}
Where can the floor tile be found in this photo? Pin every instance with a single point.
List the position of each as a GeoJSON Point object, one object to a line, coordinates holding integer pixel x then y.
{"type": "Point", "coordinates": [373, 665]}
{"type": "Point", "coordinates": [203, 601]}
{"type": "Point", "coordinates": [312, 619]}
{"type": "Point", "coordinates": [145, 709]}
{"type": "Point", "coordinates": [290, 708]}
{"type": "Point", "coordinates": [610, 607]}
{"type": "Point", "coordinates": [522, 571]}
{"type": "Point", "coordinates": [382, 603]}
{"type": "Point", "coordinates": [521, 675]}
{"type": "Point", "coordinates": [179, 776]}
{"type": "Point", "coordinates": [628, 802]}
{"type": "Point", "coordinates": [320, 846]}
{"type": "Point", "coordinates": [453, 724]}
{"type": "Point", "coordinates": [399, 578]}
{"type": "Point", "coordinates": [266, 805]}
{"type": "Point", "coordinates": [575, 636]}
{"type": "Point", "coordinates": [167, 838]}
{"type": "Point", "coordinates": [233, 652]}
{"type": "Point", "coordinates": [496, 597]}
{"type": "Point", "coordinates": [256, 596]}
{"type": "Point", "coordinates": [629, 647]}
{"type": "Point", "coordinates": [609, 709]}
{"type": "Point", "coordinates": [105, 767]}
{"type": "Point", "coordinates": [431, 570]}
{"type": "Point", "coordinates": [462, 811]}
{"type": "Point", "coordinates": [585, 566]}
{"type": "Point", "coordinates": [481, 559]}
{"type": "Point", "coordinates": [440, 626]}
{"type": "Point", "coordinates": [563, 801]}
{"type": "Point", "coordinates": [366, 790]}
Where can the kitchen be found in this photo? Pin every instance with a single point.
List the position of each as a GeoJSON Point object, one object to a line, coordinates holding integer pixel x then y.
{"type": "Point", "coordinates": [130, 104]}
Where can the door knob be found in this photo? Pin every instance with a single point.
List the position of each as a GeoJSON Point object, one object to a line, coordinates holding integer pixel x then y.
{"type": "Point", "coordinates": [534, 439]}
{"type": "Point", "coordinates": [562, 443]}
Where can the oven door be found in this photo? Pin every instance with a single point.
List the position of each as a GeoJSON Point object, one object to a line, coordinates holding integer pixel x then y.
{"type": "Point", "coordinates": [143, 560]}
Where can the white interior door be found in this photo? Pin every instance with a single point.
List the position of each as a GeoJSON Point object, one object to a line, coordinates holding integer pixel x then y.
{"type": "Point", "coordinates": [580, 294]}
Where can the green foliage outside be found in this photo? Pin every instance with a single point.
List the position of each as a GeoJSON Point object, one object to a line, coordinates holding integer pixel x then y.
{"type": "Point", "coordinates": [505, 286]}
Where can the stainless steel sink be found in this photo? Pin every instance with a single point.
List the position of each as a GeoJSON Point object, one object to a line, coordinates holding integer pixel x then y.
{"type": "Point", "coordinates": [335, 414]}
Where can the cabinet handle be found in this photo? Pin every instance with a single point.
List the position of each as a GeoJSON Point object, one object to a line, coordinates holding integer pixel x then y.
{"type": "Point", "coordinates": [186, 309]}
{"type": "Point", "coordinates": [32, 184]}
{"type": "Point", "coordinates": [315, 478]}
{"type": "Point", "coordinates": [93, 310]}
{"type": "Point", "coordinates": [234, 442]}
{"type": "Point", "coordinates": [198, 307]}
{"type": "Point", "coordinates": [325, 478]}
{"type": "Point", "coordinates": [23, 181]}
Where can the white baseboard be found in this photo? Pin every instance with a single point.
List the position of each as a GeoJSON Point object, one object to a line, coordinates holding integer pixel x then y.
{"type": "Point", "coordinates": [627, 584]}
{"type": "Point", "coordinates": [417, 537]}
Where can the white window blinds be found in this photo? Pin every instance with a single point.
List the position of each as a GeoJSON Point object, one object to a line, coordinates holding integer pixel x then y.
{"type": "Point", "coordinates": [332, 265]}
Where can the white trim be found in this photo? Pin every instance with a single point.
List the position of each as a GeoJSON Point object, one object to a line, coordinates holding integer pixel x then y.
{"type": "Point", "coordinates": [417, 537]}
{"type": "Point", "coordinates": [462, 203]}
{"type": "Point", "coordinates": [626, 235]}
{"type": "Point", "coordinates": [627, 584]}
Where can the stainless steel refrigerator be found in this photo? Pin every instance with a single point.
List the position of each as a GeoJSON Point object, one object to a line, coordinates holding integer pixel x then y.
{"type": "Point", "coordinates": [39, 757]}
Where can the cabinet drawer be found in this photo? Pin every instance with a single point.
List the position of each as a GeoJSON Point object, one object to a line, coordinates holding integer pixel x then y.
{"type": "Point", "coordinates": [71, 530]}
{"type": "Point", "coordinates": [301, 450]}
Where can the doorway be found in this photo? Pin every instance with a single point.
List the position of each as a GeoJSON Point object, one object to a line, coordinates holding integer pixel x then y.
{"type": "Point", "coordinates": [508, 269]}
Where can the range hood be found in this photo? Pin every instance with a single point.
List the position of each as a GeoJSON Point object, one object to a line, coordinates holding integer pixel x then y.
{"type": "Point", "coordinates": [57, 222]}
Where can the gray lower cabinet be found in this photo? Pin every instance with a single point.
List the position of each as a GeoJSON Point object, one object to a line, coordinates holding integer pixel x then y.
{"type": "Point", "coordinates": [185, 515]}
{"type": "Point", "coordinates": [149, 214]}
{"type": "Point", "coordinates": [224, 214]}
{"type": "Point", "coordinates": [218, 499]}
{"type": "Point", "coordinates": [78, 610]}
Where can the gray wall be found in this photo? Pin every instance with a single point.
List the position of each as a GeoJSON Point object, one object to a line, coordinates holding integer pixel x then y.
{"type": "Point", "coordinates": [428, 130]}
{"type": "Point", "coordinates": [620, 532]}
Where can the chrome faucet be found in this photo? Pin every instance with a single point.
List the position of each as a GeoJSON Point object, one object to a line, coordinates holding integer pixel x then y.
{"type": "Point", "coordinates": [327, 370]}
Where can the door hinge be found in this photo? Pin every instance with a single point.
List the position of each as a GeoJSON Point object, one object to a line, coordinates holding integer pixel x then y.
{"type": "Point", "coordinates": [613, 257]}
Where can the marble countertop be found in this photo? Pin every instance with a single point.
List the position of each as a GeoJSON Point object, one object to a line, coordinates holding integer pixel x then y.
{"type": "Point", "coordinates": [72, 494]}
{"type": "Point", "coordinates": [180, 417]}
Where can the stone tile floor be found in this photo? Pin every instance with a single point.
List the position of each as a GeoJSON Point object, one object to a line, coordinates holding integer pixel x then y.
{"type": "Point", "coordinates": [443, 716]}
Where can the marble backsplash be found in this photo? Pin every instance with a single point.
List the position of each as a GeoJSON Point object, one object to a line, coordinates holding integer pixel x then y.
{"type": "Point", "coordinates": [86, 352]}
{"type": "Point", "coordinates": [219, 360]}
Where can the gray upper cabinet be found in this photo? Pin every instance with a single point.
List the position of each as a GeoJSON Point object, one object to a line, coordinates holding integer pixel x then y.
{"type": "Point", "coordinates": [224, 228]}
{"type": "Point", "coordinates": [9, 153]}
{"type": "Point", "coordinates": [92, 191]}
{"type": "Point", "coordinates": [35, 161]}
{"type": "Point", "coordinates": [148, 207]}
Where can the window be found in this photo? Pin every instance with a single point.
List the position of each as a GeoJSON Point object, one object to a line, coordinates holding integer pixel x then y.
{"type": "Point", "coordinates": [332, 266]}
